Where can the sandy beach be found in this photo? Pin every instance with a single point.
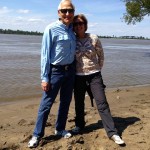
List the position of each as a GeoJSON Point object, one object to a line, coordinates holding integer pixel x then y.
{"type": "Point", "coordinates": [130, 108]}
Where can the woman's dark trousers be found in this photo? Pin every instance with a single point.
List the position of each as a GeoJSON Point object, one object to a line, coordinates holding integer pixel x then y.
{"type": "Point", "coordinates": [97, 87]}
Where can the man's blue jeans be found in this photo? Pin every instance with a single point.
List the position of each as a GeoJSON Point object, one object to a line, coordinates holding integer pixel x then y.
{"type": "Point", "coordinates": [61, 78]}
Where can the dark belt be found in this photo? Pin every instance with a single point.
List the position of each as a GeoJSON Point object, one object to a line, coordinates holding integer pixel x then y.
{"type": "Point", "coordinates": [64, 67]}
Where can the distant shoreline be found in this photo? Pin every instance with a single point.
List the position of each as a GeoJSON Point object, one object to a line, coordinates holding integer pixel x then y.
{"type": "Point", "coordinates": [21, 32]}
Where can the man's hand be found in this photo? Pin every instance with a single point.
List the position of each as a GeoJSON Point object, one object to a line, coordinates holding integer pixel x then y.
{"type": "Point", "coordinates": [45, 86]}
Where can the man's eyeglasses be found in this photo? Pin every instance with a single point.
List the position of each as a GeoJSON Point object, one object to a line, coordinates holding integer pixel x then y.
{"type": "Point", "coordinates": [78, 23]}
{"type": "Point", "coordinates": [64, 11]}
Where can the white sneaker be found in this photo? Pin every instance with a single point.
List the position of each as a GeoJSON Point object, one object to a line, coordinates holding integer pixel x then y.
{"type": "Point", "coordinates": [117, 139]}
{"type": "Point", "coordinates": [63, 133]}
{"type": "Point", "coordinates": [33, 142]}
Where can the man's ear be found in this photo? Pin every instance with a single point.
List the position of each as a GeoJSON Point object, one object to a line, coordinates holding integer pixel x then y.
{"type": "Point", "coordinates": [58, 13]}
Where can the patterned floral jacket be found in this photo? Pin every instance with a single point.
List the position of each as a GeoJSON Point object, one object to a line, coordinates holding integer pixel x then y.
{"type": "Point", "coordinates": [89, 55]}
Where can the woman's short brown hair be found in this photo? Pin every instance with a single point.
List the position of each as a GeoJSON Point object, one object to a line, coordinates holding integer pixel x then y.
{"type": "Point", "coordinates": [81, 16]}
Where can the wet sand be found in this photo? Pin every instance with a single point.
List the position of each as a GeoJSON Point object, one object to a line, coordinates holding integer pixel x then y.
{"type": "Point", "coordinates": [130, 108]}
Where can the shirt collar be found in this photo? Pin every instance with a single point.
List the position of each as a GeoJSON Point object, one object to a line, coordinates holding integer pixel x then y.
{"type": "Point", "coordinates": [63, 25]}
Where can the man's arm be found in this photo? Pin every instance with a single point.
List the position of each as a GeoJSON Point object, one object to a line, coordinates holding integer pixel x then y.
{"type": "Point", "coordinates": [45, 60]}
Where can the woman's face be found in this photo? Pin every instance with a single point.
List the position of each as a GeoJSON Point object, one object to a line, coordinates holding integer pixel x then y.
{"type": "Point", "coordinates": [79, 26]}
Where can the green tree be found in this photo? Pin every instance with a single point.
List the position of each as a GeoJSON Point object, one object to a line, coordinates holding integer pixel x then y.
{"type": "Point", "coordinates": [136, 10]}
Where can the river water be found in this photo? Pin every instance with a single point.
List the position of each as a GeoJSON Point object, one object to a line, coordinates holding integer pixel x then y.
{"type": "Point", "coordinates": [127, 63]}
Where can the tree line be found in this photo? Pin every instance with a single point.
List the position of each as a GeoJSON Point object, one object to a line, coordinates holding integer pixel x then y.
{"type": "Point", "coordinates": [9, 31]}
{"type": "Point", "coordinates": [125, 37]}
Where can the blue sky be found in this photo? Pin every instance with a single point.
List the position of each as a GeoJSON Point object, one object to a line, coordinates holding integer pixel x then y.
{"type": "Point", "coordinates": [104, 16]}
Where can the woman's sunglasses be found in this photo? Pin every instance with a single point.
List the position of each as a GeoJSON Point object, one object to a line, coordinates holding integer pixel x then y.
{"type": "Point", "coordinates": [78, 23]}
{"type": "Point", "coordinates": [64, 11]}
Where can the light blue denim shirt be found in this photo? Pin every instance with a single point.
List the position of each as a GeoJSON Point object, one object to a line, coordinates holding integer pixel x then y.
{"type": "Point", "coordinates": [58, 47]}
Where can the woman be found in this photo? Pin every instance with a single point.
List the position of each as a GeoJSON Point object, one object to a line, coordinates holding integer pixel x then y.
{"type": "Point", "coordinates": [89, 62]}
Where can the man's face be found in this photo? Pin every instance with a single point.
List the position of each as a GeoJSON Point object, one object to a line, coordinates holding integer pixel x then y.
{"type": "Point", "coordinates": [66, 13]}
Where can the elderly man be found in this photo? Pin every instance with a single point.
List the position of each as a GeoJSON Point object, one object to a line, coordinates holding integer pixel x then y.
{"type": "Point", "coordinates": [57, 71]}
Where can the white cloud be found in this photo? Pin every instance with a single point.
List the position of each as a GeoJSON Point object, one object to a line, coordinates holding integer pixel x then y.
{"type": "Point", "coordinates": [33, 23]}
{"type": "Point", "coordinates": [102, 20]}
{"type": "Point", "coordinates": [34, 20]}
{"type": "Point", "coordinates": [118, 29]}
{"type": "Point", "coordinates": [5, 10]}
{"type": "Point", "coordinates": [23, 11]}
{"type": "Point", "coordinates": [9, 19]}
{"type": "Point", "coordinates": [102, 7]}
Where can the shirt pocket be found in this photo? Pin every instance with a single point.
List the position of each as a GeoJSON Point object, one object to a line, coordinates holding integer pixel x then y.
{"type": "Point", "coordinates": [62, 38]}
{"type": "Point", "coordinates": [63, 42]}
